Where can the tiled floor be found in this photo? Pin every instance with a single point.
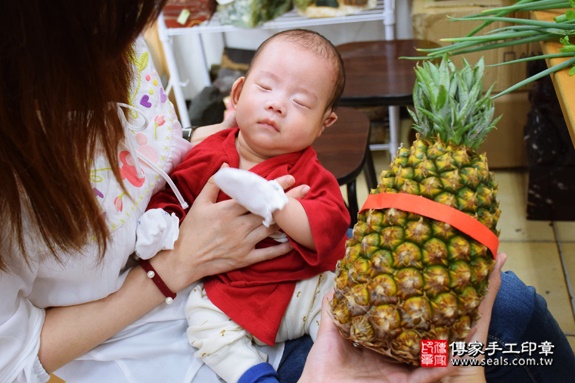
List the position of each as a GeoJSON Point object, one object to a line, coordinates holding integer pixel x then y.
{"type": "Point", "coordinates": [541, 253]}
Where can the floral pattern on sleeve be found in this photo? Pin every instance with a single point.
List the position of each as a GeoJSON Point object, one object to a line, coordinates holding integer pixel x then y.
{"type": "Point", "coordinates": [157, 141]}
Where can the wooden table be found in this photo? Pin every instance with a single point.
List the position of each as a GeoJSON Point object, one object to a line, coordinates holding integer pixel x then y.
{"type": "Point", "coordinates": [375, 74]}
{"type": "Point", "coordinates": [564, 83]}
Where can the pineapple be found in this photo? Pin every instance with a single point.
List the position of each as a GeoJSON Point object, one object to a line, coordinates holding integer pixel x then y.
{"type": "Point", "coordinates": [406, 277]}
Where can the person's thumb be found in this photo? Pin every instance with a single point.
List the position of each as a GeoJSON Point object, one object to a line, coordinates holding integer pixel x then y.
{"type": "Point", "coordinates": [326, 324]}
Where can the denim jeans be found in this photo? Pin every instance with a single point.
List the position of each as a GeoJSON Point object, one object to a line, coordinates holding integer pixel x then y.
{"type": "Point", "coordinates": [519, 315]}
{"type": "Point", "coordinates": [293, 359]}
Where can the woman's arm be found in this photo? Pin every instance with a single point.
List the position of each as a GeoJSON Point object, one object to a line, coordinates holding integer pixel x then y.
{"type": "Point", "coordinates": [71, 331]}
{"type": "Point", "coordinates": [227, 243]}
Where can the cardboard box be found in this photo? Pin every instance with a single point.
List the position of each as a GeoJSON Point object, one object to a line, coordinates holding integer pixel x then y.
{"type": "Point", "coordinates": [431, 21]}
{"type": "Point", "coordinates": [505, 145]}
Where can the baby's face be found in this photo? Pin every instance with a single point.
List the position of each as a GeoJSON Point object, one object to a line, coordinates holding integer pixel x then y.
{"type": "Point", "coordinates": [281, 105]}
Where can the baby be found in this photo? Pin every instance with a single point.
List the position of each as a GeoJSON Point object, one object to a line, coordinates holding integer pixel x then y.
{"type": "Point", "coordinates": [284, 102]}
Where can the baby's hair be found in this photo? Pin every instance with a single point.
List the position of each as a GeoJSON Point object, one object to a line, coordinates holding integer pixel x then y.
{"type": "Point", "coordinates": [318, 44]}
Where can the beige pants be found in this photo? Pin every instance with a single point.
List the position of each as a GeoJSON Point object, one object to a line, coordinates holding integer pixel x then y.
{"type": "Point", "coordinates": [229, 349]}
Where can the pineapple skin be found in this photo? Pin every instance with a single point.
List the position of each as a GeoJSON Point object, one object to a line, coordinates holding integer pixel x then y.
{"type": "Point", "coordinates": [407, 278]}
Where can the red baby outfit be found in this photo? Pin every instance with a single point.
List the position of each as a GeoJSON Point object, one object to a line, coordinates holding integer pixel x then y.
{"type": "Point", "coordinates": [256, 297]}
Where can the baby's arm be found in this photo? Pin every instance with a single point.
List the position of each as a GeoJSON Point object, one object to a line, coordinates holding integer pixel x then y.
{"type": "Point", "coordinates": [267, 199]}
{"type": "Point", "coordinates": [293, 220]}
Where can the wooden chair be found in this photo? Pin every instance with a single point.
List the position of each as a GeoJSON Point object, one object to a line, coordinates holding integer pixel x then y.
{"type": "Point", "coordinates": [343, 149]}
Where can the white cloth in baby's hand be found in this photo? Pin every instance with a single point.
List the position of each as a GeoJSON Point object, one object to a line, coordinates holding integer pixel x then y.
{"type": "Point", "coordinates": [255, 193]}
{"type": "Point", "coordinates": [157, 230]}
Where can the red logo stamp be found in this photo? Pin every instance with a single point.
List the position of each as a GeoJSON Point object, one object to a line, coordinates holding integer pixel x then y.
{"type": "Point", "coordinates": [434, 353]}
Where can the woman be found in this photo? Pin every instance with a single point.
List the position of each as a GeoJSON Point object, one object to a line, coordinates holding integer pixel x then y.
{"type": "Point", "coordinates": [86, 137]}
{"type": "Point", "coordinates": [75, 97]}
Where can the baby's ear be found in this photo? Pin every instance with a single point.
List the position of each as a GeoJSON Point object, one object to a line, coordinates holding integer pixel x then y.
{"type": "Point", "coordinates": [237, 90]}
{"type": "Point", "coordinates": [330, 119]}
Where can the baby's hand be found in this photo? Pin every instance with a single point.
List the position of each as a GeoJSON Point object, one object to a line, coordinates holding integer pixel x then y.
{"type": "Point", "coordinates": [255, 193]}
{"type": "Point", "coordinates": [157, 230]}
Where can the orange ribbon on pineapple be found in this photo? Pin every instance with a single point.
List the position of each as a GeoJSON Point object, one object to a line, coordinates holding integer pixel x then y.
{"type": "Point", "coordinates": [435, 210]}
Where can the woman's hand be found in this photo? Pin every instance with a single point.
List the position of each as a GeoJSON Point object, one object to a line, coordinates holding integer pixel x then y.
{"type": "Point", "coordinates": [480, 330]}
{"type": "Point", "coordinates": [334, 359]}
{"type": "Point", "coordinates": [217, 237]}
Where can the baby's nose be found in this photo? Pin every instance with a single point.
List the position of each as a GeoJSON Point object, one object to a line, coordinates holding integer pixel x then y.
{"type": "Point", "coordinates": [275, 105]}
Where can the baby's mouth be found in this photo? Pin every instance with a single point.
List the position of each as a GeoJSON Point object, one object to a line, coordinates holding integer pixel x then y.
{"type": "Point", "coordinates": [269, 123]}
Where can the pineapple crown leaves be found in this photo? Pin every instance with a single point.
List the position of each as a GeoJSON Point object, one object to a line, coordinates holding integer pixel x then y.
{"type": "Point", "coordinates": [450, 103]}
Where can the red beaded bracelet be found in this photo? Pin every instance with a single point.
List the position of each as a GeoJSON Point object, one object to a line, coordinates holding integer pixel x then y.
{"type": "Point", "coordinates": [158, 281]}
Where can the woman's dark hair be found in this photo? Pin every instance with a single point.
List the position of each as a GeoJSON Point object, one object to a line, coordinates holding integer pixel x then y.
{"type": "Point", "coordinates": [63, 65]}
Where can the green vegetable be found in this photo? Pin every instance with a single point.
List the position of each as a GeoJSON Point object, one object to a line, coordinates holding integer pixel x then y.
{"type": "Point", "coordinates": [252, 13]}
{"type": "Point", "coordinates": [521, 31]}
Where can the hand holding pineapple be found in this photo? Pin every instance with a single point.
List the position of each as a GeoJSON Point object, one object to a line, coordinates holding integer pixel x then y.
{"type": "Point", "coordinates": [407, 277]}
{"type": "Point", "coordinates": [334, 359]}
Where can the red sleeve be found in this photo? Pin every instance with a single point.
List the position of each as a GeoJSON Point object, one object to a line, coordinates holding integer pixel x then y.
{"type": "Point", "coordinates": [327, 213]}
